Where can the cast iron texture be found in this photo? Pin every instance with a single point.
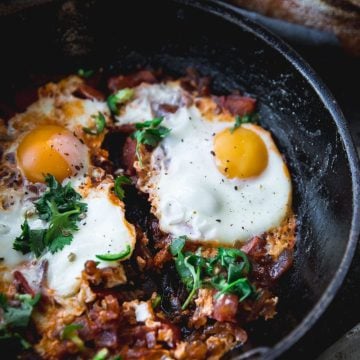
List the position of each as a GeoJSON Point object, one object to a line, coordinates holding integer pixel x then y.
{"type": "Point", "coordinates": [308, 126]}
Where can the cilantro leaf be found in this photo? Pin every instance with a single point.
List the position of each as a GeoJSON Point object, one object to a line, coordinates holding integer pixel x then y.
{"type": "Point", "coordinates": [22, 242]}
{"type": "Point", "coordinates": [65, 198]}
{"type": "Point", "coordinates": [195, 272]}
{"type": "Point", "coordinates": [101, 354]}
{"type": "Point", "coordinates": [36, 240]}
{"type": "Point", "coordinates": [245, 119]}
{"type": "Point", "coordinates": [61, 228]}
{"type": "Point", "coordinates": [177, 245]}
{"type": "Point", "coordinates": [30, 240]}
{"type": "Point", "coordinates": [60, 206]}
{"type": "Point", "coordinates": [120, 97]}
{"type": "Point", "coordinates": [188, 268]}
{"type": "Point", "coordinates": [149, 133]}
{"type": "Point", "coordinates": [20, 316]}
{"type": "Point", "coordinates": [16, 317]}
{"type": "Point", "coordinates": [3, 301]}
{"type": "Point", "coordinates": [155, 302]}
{"type": "Point", "coordinates": [119, 181]}
{"type": "Point", "coordinates": [100, 123]}
{"type": "Point", "coordinates": [227, 271]}
{"type": "Point", "coordinates": [70, 332]}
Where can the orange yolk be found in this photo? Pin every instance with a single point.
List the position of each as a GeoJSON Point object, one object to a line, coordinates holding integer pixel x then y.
{"type": "Point", "coordinates": [50, 149]}
{"type": "Point", "coordinates": [241, 154]}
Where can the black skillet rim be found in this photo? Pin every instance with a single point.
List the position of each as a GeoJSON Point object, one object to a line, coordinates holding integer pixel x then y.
{"type": "Point", "coordinates": [232, 14]}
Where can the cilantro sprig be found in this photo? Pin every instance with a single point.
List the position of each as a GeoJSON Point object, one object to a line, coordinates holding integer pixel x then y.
{"type": "Point", "coordinates": [61, 208]}
{"type": "Point", "coordinates": [16, 316]}
{"type": "Point", "coordinates": [245, 119]}
{"type": "Point", "coordinates": [100, 123]}
{"type": "Point", "coordinates": [103, 354]}
{"type": "Point", "coordinates": [118, 186]}
{"type": "Point", "coordinates": [227, 272]}
{"type": "Point", "coordinates": [70, 332]}
{"type": "Point", "coordinates": [120, 97]}
{"type": "Point", "coordinates": [149, 132]}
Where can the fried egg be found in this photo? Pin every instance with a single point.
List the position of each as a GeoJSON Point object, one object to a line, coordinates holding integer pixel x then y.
{"type": "Point", "coordinates": [48, 138]}
{"type": "Point", "coordinates": [207, 180]}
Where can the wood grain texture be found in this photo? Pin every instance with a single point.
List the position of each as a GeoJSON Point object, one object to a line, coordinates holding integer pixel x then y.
{"type": "Point", "coordinates": [342, 17]}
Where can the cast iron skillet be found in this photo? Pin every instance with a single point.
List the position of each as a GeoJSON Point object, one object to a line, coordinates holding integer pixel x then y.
{"type": "Point", "coordinates": [60, 36]}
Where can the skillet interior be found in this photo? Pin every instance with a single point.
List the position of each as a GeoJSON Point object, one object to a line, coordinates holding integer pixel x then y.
{"type": "Point", "coordinates": [61, 36]}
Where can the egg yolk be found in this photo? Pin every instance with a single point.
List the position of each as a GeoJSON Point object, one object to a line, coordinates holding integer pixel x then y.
{"type": "Point", "coordinates": [240, 154]}
{"type": "Point", "coordinates": [50, 149]}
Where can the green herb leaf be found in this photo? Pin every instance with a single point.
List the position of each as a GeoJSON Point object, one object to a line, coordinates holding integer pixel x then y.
{"type": "Point", "coordinates": [36, 240]}
{"type": "Point", "coordinates": [30, 240]}
{"type": "Point", "coordinates": [188, 268]}
{"type": "Point", "coordinates": [85, 73]}
{"type": "Point", "coordinates": [227, 271]}
{"type": "Point", "coordinates": [241, 287]}
{"type": "Point", "coordinates": [114, 257]}
{"type": "Point", "coordinates": [195, 272]}
{"type": "Point", "coordinates": [155, 302]}
{"type": "Point", "coordinates": [70, 332]}
{"type": "Point", "coordinates": [65, 198]}
{"type": "Point", "coordinates": [149, 133]}
{"type": "Point", "coordinates": [177, 245]}
{"type": "Point", "coordinates": [100, 123]}
{"type": "Point", "coordinates": [22, 242]}
{"type": "Point", "coordinates": [245, 119]}
{"type": "Point", "coordinates": [120, 97]}
{"type": "Point", "coordinates": [60, 206]}
{"type": "Point", "coordinates": [19, 317]}
{"type": "Point", "coordinates": [119, 182]}
{"type": "Point", "coordinates": [3, 301]}
{"type": "Point", "coordinates": [61, 228]}
{"type": "Point", "coordinates": [101, 355]}
{"type": "Point", "coordinates": [16, 317]}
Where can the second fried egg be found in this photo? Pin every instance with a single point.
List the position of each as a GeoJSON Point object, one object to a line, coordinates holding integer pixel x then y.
{"type": "Point", "coordinates": [211, 182]}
